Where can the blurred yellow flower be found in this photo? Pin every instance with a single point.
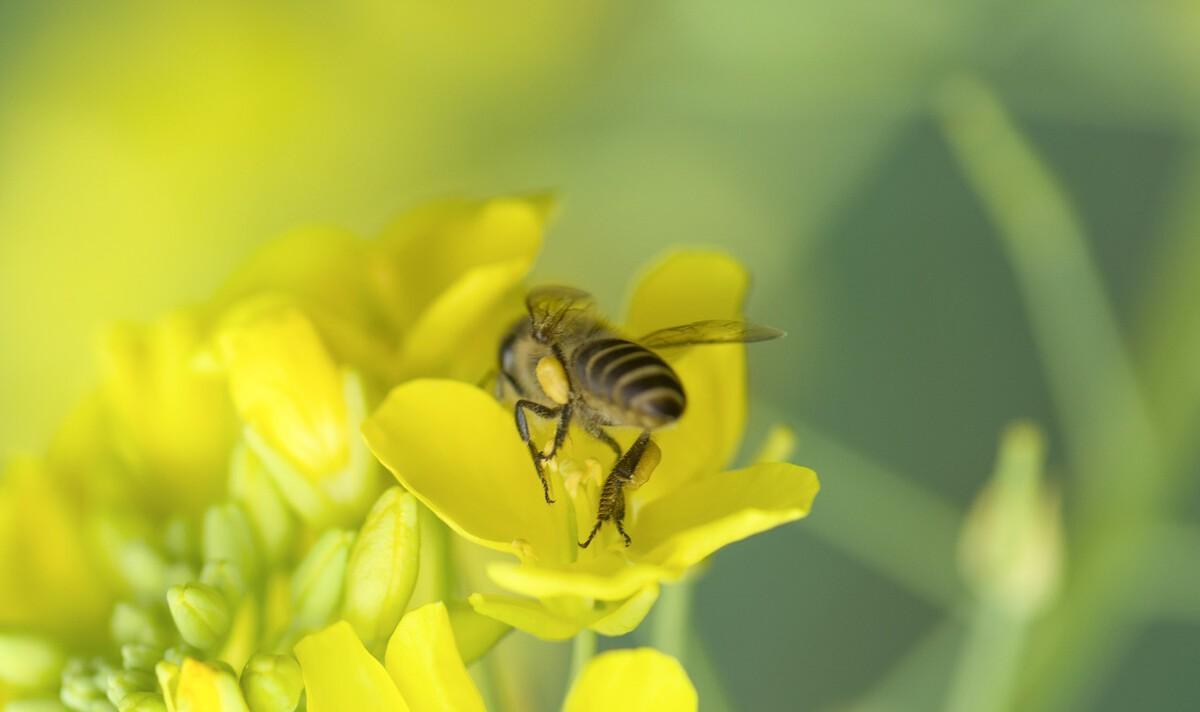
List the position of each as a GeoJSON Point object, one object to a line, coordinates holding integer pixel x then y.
{"type": "Point", "coordinates": [424, 672]}
{"type": "Point", "coordinates": [455, 448]}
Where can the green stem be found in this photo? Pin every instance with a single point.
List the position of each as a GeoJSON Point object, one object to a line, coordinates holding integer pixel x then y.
{"type": "Point", "coordinates": [987, 670]}
{"type": "Point", "coordinates": [671, 631]}
{"type": "Point", "coordinates": [582, 650]}
{"type": "Point", "coordinates": [1109, 436]}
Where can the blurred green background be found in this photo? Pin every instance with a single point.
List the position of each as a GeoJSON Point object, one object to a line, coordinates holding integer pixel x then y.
{"type": "Point", "coordinates": [964, 213]}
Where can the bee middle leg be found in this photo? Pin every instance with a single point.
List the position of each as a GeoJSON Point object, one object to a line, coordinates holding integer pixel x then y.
{"type": "Point", "coordinates": [598, 432]}
{"type": "Point", "coordinates": [612, 495]}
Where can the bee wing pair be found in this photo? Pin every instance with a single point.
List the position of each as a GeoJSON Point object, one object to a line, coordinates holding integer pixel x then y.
{"type": "Point", "coordinates": [556, 310]}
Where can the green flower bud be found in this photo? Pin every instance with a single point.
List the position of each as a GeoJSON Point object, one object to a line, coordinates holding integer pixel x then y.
{"type": "Point", "coordinates": [123, 683]}
{"type": "Point", "coordinates": [1011, 546]}
{"type": "Point", "coordinates": [176, 654]}
{"type": "Point", "coordinates": [201, 614]}
{"type": "Point", "coordinates": [251, 486]}
{"type": "Point", "coordinates": [139, 656]}
{"type": "Point", "coordinates": [272, 683]}
{"type": "Point", "coordinates": [383, 567]}
{"type": "Point", "coordinates": [28, 662]}
{"type": "Point", "coordinates": [317, 584]}
{"type": "Point", "coordinates": [137, 563]}
{"type": "Point", "coordinates": [179, 573]}
{"type": "Point", "coordinates": [79, 689]}
{"type": "Point", "coordinates": [226, 578]}
{"type": "Point", "coordinates": [180, 540]}
{"type": "Point", "coordinates": [143, 702]}
{"type": "Point", "coordinates": [228, 537]}
{"type": "Point", "coordinates": [134, 624]}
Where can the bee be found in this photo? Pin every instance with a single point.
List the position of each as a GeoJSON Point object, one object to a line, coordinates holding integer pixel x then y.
{"type": "Point", "coordinates": [563, 361]}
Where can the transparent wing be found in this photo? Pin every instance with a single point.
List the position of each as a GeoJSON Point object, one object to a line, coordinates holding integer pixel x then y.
{"type": "Point", "coordinates": [711, 331]}
{"type": "Point", "coordinates": [555, 309]}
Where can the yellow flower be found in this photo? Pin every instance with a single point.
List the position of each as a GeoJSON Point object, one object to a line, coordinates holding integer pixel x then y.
{"type": "Point", "coordinates": [317, 319]}
{"type": "Point", "coordinates": [640, 680]}
{"type": "Point", "coordinates": [455, 448]}
{"type": "Point", "coordinates": [423, 672]}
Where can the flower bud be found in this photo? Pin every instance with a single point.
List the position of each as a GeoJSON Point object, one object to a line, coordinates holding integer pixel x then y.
{"type": "Point", "coordinates": [122, 683]}
{"type": "Point", "coordinates": [130, 556]}
{"type": "Point", "coordinates": [210, 687]}
{"type": "Point", "coordinates": [134, 624]}
{"type": "Point", "coordinates": [139, 656]}
{"type": "Point", "coordinates": [226, 578]}
{"type": "Point", "coordinates": [28, 662]}
{"type": "Point", "coordinates": [1011, 545]}
{"type": "Point", "coordinates": [167, 674]}
{"type": "Point", "coordinates": [200, 613]}
{"type": "Point", "coordinates": [179, 538]}
{"type": "Point", "coordinates": [252, 487]}
{"type": "Point", "coordinates": [228, 537]}
{"type": "Point", "coordinates": [272, 683]}
{"type": "Point", "coordinates": [79, 688]}
{"type": "Point", "coordinates": [382, 568]}
{"type": "Point", "coordinates": [317, 584]}
{"type": "Point", "coordinates": [142, 702]}
{"type": "Point", "coordinates": [176, 654]}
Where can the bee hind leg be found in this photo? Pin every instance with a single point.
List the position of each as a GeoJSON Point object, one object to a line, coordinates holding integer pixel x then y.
{"type": "Point", "coordinates": [612, 496]}
{"type": "Point", "coordinates": [584, 544]}
{"type": "Point", "coordinates": [523, 430]}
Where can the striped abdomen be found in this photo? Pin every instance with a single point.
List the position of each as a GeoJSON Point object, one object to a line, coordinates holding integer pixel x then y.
{"type": "Point", "coordinates": [635, 384]}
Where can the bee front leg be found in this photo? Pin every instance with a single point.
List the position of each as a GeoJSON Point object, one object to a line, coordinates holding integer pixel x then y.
{"type": "Point", "coordinates": [523, 429]}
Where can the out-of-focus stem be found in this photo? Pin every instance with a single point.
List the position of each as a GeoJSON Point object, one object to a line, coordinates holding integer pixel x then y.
{"type": "Point", "coordinates": [1170, 334]}
{"type": "Point", "coordinates": [671, 632]}
{"type": "Point", "coordinates": [583, 648]}
{"type": "Point", "coordinates": [1110, 441]}
{"type": "Point", "coordinates": [1109, 435]}
{"type": "Point", "coordinates": [987, 667]}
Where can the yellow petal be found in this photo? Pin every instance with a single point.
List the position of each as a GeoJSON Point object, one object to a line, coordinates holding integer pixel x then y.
{"type": "Point", "coordinates": [314, 265]}
{"type": "Point", "coordinates": [325, 270]}
{"type": "Point", "coordinates": [205, 688]}
{"type": "Point", "coordinates": [684, 287]}
{"type": "Point", "coordinates": [625, 616]}
{"type": "Point", "coordinates": [426, 250]}
{"type": "Point", "coordinates": [684, 528]}
{"type": "Point", "coordinates": [529, 615]}
{"type": "Point", "coordinates": [609, 577]}
{"type": "Point", "coordinates": [285, 385]}
{"type": "Point", "coordinates": [457, 335]}
{"type": "Point", "coordinates": [339, 674]}
{"type": "Point", "coordinates": [637, 680]}
{"type": "Point", "coordinates": [457, 450]}
{"type": "Point", "coordinates": [474, 634]}
{"type": "Point", "coordinates": [424, 661]}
